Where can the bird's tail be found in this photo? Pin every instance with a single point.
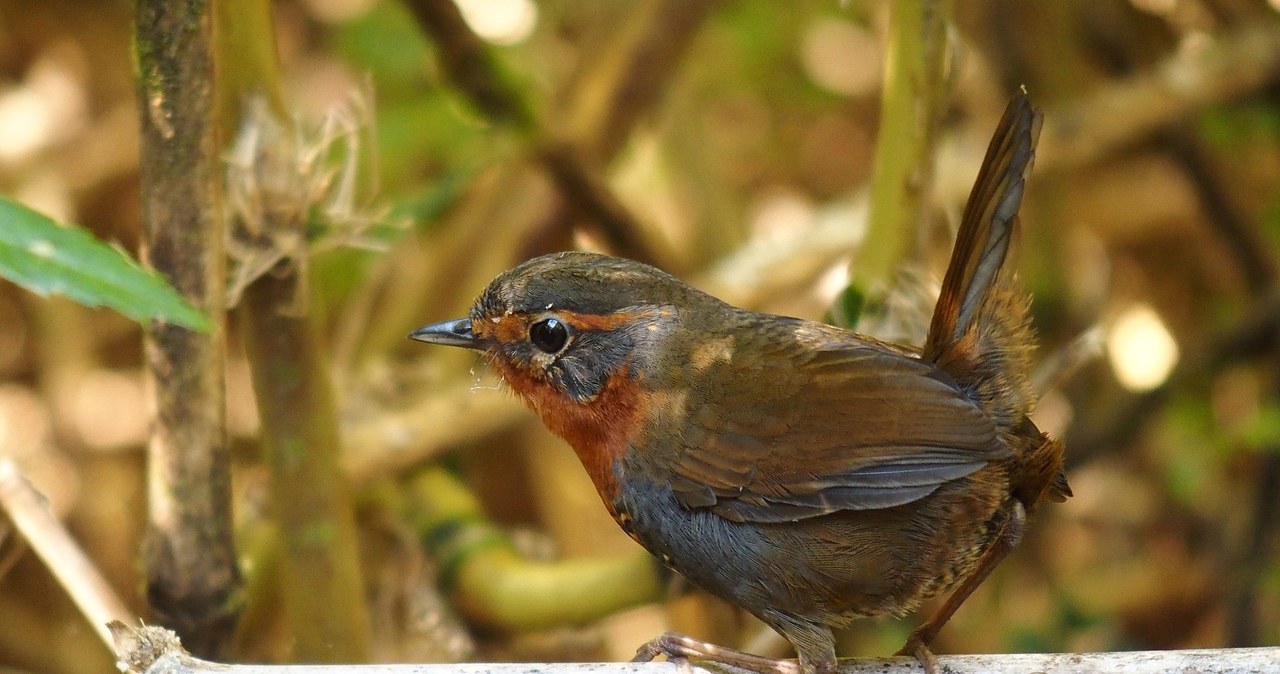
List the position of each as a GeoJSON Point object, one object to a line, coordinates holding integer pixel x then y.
{"type": "Point", "coordinates": [981, 333]}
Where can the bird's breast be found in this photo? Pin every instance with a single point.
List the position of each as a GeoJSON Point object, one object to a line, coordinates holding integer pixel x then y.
{"type": "Point", "coordinates": [600, 431]}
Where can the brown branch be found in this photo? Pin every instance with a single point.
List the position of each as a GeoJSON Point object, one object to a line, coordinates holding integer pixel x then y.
{"type": "Point", "coordinates": [1246, 243]}
{"type": "Point", "coordinates": [1126, 110]}
{"type": "Point", "coordinates": [468, 63]}
{"type": "Point", "coordinates": [627, 75]}
{"type": "Point", "coordinates": [192, 578]}
{"type": "Point", "coordinates": [586, 192]}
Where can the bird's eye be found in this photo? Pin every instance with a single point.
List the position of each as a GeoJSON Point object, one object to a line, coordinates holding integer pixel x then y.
{"type": "Point", "coordinates": [549, 335]}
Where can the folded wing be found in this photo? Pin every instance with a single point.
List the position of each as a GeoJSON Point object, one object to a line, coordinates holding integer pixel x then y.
{"type": "Point", "coordinates": [867, 428]}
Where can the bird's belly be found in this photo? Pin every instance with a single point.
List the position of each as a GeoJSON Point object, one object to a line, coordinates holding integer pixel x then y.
{"type": "Point", "coordinates": [819, 571]}
{"type": "Point", "coordinates": [829, 569]}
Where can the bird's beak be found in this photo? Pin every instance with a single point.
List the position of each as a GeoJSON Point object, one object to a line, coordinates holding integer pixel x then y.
{"type": "Point", "coordinates": [456, 332]}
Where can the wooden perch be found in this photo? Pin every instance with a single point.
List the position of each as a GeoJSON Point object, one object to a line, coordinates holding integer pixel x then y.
{"type": "Point", "coordinates": [152, 650]}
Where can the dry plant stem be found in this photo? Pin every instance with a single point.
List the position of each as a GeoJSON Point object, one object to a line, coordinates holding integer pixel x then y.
{"type": "Point", "coordinates": [192, 578]}
{"type": "Point", "coordinates": [391, 443]}
{"type": "Point", "coordinates": [914, 97]}
{"type": "Point", "coordinates": [320, 572]}
{"type": "Point", "coordinates": [31, 517]}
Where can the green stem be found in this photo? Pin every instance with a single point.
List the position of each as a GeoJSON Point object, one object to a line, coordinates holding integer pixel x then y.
{"type": "Point", "coordinates": [914, 97]}
{"type": "Point", "coordinates": [321, 583]}
{"type": "Point", "coordinates": [493, 586]}
{"type": "Point", "coordinates": [320, 566]}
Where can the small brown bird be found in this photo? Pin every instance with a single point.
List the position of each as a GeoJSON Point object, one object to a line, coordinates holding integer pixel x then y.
{"type": "Point", "coordinates": [804, 472]}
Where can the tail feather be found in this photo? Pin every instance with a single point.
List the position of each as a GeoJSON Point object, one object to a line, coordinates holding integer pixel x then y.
{"type": "Point", "coordinates": [980, 331]}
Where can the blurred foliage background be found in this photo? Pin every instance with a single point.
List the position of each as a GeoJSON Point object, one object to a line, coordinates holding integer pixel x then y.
{"type": "Point", "coordinates": [742, 163]}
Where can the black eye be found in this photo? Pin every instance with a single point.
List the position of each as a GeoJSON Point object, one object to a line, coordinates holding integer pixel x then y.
{"type": "Point", "coordinates": [549, 335]}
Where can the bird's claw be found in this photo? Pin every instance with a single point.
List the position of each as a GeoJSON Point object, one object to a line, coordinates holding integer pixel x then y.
{"type": "Point", "coordinates": [918, 649]}
{"type": "Point", "coordinates": [680, 649]}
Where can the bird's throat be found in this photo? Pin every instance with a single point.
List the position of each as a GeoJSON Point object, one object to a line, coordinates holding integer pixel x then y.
{"type": "Point", "coordinates": [598, 430]}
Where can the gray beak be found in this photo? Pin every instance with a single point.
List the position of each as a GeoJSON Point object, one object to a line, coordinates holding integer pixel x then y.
{"type": "Point", "coordinates": [456, 332]}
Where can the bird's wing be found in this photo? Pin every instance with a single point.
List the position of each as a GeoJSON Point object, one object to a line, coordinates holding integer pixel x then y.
{"type": "Point", "coordinates": [855, 427]}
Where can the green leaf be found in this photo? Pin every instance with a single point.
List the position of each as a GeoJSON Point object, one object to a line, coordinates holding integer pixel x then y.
{"type": "Point", "coordinates": [44, 257]}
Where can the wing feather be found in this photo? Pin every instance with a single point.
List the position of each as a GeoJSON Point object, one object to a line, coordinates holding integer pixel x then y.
{"type": "Point", "coordinates": [866, 428]}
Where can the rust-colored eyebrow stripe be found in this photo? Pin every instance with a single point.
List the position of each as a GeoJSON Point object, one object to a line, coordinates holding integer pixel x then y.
{"type": "Point", "coordinates": [515, 327]}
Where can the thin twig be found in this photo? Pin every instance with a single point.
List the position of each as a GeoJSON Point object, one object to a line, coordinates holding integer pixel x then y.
{"type": "Point", "coordinates": [389, 443]}
{"type": "Point", "coordinates": [468, 63]}
{"type": "Point", "coordinates": [31, 517]}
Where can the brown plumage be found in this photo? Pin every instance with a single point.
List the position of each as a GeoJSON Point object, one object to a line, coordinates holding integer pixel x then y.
{"type": "Point", "coordinates": [807, 473]}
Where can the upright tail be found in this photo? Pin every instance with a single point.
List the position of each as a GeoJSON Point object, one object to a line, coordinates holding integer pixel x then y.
{"type": "Point", "coordinates": [981, 333]}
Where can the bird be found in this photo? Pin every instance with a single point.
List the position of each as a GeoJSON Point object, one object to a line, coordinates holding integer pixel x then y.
{"type": "Point", "coordinates": [807, 473]}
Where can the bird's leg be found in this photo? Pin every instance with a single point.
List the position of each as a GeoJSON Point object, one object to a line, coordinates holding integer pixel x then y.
{"type": "Point", "coordinates": [1008, 538]}
{"type": "Point", "coordinates": [678, 646]}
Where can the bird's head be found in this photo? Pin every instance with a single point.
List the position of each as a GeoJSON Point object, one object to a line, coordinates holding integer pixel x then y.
{"type": "Point", "coordinates": [572, 332]}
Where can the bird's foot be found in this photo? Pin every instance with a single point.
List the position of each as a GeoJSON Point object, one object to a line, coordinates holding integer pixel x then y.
{"type": "Point", "coordinates": [682, 648]}
{"type": "Point", "coordinates": [918, 648]}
